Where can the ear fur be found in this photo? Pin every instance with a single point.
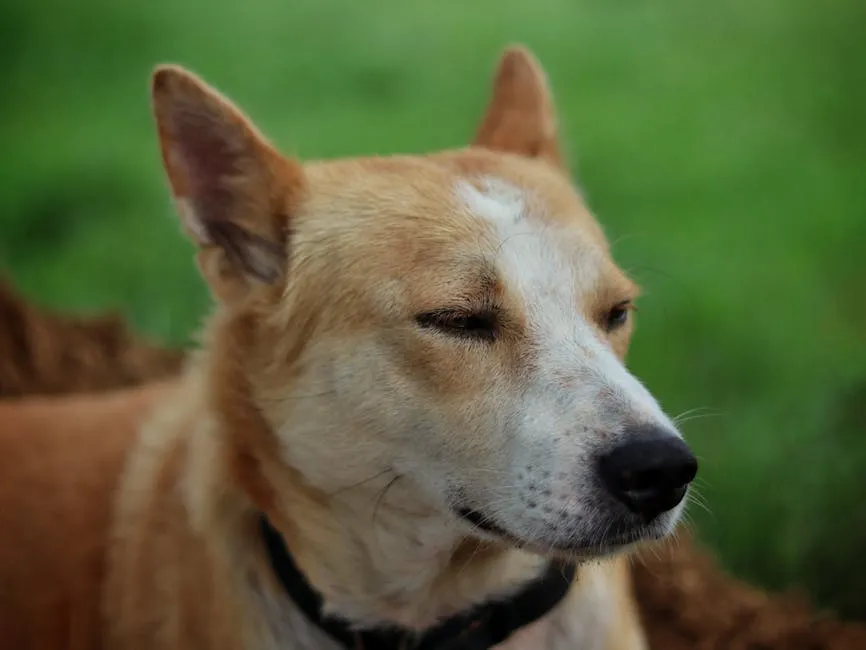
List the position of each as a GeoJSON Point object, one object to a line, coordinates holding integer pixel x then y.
{"type": "Point", "coordinates": [235, 193]}
{"type": "Point", "coordinates": [520, 117]}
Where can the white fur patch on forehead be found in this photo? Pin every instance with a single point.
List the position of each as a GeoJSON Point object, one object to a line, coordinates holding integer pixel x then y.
{"type": "Point", "coordinates": [535, 254]}
{"type": "Point", "coordinates": [497, 201]}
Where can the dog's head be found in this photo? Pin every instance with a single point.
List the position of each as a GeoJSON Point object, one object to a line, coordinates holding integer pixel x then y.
{"type": "Point", "coordinates": [454, 320]}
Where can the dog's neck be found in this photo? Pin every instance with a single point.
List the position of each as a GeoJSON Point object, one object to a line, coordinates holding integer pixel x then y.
{"type": "Point", "coordinates": [404, 568]}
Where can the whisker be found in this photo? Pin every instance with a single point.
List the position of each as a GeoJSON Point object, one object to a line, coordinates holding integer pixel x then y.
{"type": "Point", "coordinates": [699, 501]}
{"type": "Point", "coordinates": [625, 237]}
{"type": "Point", "coordinates": [637, 270]}
{"type": "Point", "coordinates": [291, 398]}
{"type": "Point", "coordinates": [360, 483]}
{"type": "Point", "coordinates": [380, 498]}
{"type": "Point", "coordinates": [700, 411]}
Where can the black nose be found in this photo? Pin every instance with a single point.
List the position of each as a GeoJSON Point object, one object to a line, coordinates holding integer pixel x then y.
{"type": "Point", "coordinates": [650, 472]}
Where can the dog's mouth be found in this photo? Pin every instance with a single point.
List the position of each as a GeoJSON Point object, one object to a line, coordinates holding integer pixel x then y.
{"type": "Point", "coordinates": [482, 522]}
{"type": "Point", "coordinates": [614, 540]}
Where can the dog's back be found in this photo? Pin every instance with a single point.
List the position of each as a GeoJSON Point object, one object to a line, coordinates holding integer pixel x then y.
{"type": "Point", "coordinates": [60, 460]}
{"type": "Point", "coordinates": [45, 353]}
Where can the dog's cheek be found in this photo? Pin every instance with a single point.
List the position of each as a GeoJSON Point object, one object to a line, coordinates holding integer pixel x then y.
{"type": "Point", "coordinates": [442, 369]}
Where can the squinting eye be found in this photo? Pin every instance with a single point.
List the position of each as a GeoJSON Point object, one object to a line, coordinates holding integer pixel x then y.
{"type": "Point", "coordinates": [481, 326]}
{"type": "Point", "coordinates": [617, 316]}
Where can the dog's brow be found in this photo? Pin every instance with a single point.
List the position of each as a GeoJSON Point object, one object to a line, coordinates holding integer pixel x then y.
{"type": "Point", "coordinates": [479, 288]}
{"type": "Point", "coordinates": [488, 281]}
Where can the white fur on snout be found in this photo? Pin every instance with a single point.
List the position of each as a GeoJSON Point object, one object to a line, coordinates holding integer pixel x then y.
{"type": "Point", "coordinates": [578, 397]}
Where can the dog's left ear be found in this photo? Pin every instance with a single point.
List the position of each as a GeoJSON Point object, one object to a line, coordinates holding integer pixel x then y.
{"type": "Point", "coordinates": [521, 117]}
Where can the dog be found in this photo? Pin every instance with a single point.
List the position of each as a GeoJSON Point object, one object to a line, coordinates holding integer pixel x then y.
{"type": "Point", "coordinates": [408, 425]}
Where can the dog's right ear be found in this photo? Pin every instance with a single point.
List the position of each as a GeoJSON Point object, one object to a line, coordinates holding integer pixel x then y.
{"type": "Point", "coordinates": [234, 191]}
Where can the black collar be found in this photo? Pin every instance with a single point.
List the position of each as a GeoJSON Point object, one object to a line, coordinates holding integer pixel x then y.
{"type": "Point", "coordinates": [479, 628]}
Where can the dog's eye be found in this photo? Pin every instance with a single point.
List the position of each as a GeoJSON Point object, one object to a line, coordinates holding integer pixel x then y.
{"type": "Point", "coordinates": [617, 316]}
{"type": "Point", "coordinates": [474, 325]}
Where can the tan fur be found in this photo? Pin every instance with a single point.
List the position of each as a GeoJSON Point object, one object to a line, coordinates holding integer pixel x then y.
{"type": "Point", "coordinates": [60, 461]}
{"type": "Point", "coordinates": [152, 540]}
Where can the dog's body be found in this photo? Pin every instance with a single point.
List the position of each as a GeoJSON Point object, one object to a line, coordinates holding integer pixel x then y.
{"type": "Point", "coordinates": [414, 373]}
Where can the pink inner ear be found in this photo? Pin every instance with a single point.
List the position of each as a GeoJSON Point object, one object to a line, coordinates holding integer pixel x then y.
{"type": "Point", "coordinates": [214, 170]}
{"type": "Point", "coordinates": [208, 154]}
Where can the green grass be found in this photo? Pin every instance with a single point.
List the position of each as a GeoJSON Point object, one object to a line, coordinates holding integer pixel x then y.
{"type": "Point", "coordinates": [723, 145]}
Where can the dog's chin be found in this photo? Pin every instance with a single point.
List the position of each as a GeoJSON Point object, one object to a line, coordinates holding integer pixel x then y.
{"type": "Point", "coordinates": [607, 539]}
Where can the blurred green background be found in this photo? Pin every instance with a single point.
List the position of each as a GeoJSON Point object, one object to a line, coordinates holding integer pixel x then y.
{"type": "Point", "coordinates": [722, 144]}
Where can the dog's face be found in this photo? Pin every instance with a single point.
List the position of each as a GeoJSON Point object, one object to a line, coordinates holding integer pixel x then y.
{"type": "Point", "coordinates": [453, 322]}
